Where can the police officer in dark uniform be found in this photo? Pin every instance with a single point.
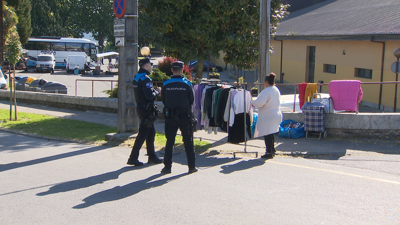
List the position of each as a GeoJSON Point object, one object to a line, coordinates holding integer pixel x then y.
{"type": "Point", "coordinates": [145, 96]}
{"type": "Point", "coordinates": [177, 97]}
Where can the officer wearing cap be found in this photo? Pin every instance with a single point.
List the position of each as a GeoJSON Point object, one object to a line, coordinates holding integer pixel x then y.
{"type": "Point", "coordinates": [145, 96]}
{"type": "Point", "coordinates": [177, 97]}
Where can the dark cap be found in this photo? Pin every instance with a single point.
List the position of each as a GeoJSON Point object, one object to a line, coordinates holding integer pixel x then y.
{"type": "Point", "coordinates": [177, 64]}
{"type": "Point", "coordinates": [144, 61]}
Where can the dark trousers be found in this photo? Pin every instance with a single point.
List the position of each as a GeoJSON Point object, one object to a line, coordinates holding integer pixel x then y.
{"type": "Point", "coordinates": [145, 134]}
{"type": "Point", "coordinates": [171, 127]}
{"type": "Point", "coordinates": [270, 143]}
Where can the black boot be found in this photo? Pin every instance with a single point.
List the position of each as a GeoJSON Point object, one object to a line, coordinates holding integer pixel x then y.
{"type": "Point", "coordinates": [134, 162]}
{"type": "Point", "coordinates": [154, 160]}
{"type": "Point", "coordinates": [267, 156]}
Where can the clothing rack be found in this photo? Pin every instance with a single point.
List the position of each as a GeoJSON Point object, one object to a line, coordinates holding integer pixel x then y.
{"type": "Point", "coordinates": [246, 134]}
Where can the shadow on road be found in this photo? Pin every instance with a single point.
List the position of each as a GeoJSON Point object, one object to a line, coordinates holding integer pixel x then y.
{"type": "Point", "coordinates": [242, 165]}
{"type": "Point", "coordinates": [87, 182]}
{"type": "Point", "coordinates": [15, 165]}
{"type": "Point", "coordinates": [121, 192]}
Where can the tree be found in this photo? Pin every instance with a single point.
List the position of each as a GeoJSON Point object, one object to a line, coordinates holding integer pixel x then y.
{"type": "Point", "coordinates": [52, 18]}
{"type": "Point", "coordinates": [185, 29]}
{"type": "Point", "coordinates": [14, 49]}
{"type": "Point", "coordinates": [23, 10]}
{"type": "Point", "coordinates": [96, 17]}
{"type": "Point", "coordinates": [243, 31]}
{"type": "Point", "coordinates": [10, 20]}
{"type": "Point", "coordinates": [189, 29]}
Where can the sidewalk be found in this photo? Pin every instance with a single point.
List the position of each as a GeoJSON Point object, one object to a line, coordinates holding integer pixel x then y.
{"type": "Point", "coordinates": [297, 147]}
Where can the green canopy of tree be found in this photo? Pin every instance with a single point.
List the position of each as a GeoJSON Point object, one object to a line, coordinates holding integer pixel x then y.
{"type": "Point", "coordinates": [94, 16]}
{"type": "Point", "coordinates": [10, 21]}
{"type": "Point", "coordinates": [243, 31]}
{"type": "Point", "coordinates": [52, 18]}
{"type": "Point", "coordinates": [185, 29]}
{"type": "Point", "coordinates": [189, 29]}
{"type": "Point", "coordinates": [23, 10]}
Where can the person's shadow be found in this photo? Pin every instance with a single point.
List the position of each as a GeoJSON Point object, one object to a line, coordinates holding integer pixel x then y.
{"type": "Point", "coordinates": [86, 182]}
{"type": "Point", "coordinates": [119, 192]}
{"type": "Point", "coordinates": [242, 165]}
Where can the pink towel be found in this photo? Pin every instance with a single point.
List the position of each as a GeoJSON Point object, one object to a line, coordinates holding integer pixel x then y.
{"type": "Point", "coordinates": [346, 94]}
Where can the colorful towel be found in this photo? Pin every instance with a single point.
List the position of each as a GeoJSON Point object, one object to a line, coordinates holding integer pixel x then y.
{"type": "Point", "coordinates": [346, 94]}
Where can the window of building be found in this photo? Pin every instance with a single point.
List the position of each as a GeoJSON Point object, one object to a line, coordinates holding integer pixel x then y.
{"type": "Point", "coordinates": [328, 68]}
{"type": "Point", "coordinates": [364, 73]}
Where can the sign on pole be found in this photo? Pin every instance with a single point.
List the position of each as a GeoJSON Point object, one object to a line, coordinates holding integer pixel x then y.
{"type": "Point", "coordinates": [396, 67]}
{"type": "Point", "coordinates": [119, 8]}
{"type": "Point", "coordinates": [119, 27]}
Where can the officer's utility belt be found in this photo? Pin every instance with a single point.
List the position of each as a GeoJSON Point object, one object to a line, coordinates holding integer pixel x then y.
{"type": "Point", "coordinates": [176, 113]}
{"type": "Point", "coordinates": [149, 107]}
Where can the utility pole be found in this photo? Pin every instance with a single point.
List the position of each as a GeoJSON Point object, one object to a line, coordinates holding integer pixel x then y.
{"type": "Point", "coordinates": [264, 60]}
{"type": "Point", "coordinates": [128, 120]}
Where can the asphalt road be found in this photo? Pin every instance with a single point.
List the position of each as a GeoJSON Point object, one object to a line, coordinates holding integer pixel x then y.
{"type": "Point", "coordinates": [50, 182]}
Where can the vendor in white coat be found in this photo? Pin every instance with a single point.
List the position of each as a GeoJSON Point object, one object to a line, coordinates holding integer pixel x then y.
{"type": "Point", "coordinates": [269, 114]}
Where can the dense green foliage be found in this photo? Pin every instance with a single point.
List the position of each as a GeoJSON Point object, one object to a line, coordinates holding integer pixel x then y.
{"type": "Point", "coordinates": [23, 10]}
{"type": "Point", "coordinates": [52, 18]}
{"type": "Point", "coordinates": [195, 29]}
{"type": "Point", "coordinates": [10, 20]}
{"type": "Point", "coordinates": [94, 16]}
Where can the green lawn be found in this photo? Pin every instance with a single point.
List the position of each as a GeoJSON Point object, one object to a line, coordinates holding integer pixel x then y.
{"type": "Point", "coordinates": [74, 130]}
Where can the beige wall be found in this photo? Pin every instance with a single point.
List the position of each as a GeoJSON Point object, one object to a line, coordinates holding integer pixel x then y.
{"type": "Point", "coordinates": [346, 55]}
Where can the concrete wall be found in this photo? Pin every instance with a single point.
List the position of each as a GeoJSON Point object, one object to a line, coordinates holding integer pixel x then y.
{"type": "Point", "coordinates": [64, 101]}
{"type": "Point", "coordinates": [385, 125]}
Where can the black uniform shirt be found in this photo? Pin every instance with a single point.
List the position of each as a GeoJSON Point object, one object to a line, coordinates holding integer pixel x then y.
{"type": "Point", "coordinates": [177, 93]}
{"type": "Point", "coordinates": [143, 88]}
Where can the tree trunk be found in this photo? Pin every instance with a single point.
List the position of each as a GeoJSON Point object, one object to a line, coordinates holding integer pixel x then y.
{"type": "Point", "coordinates": [11, 86]}
{"type": "Point", "coordinates": [15, 97]}
{"type": "Point", "coordinates": [199, 72]}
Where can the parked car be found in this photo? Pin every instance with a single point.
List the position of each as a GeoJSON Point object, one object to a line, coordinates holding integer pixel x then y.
{"type": "Point", "coordinates": [207, 64]}
{"type": "Point", "coordinates": [3, 80]}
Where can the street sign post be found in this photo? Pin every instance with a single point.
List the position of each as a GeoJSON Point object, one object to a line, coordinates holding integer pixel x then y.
{"type": "Point", "coordinates": [119, 8]}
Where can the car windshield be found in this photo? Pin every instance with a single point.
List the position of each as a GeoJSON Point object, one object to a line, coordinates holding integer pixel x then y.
{"type": "Point", "coordinates": [44, 58]}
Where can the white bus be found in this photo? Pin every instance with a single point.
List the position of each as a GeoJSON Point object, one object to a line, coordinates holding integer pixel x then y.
{"type": "Point", "coordinates": [61, 48]}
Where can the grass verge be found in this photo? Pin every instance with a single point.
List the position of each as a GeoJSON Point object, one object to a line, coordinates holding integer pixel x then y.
{"type": "Point", "coordinates": [74, 130]}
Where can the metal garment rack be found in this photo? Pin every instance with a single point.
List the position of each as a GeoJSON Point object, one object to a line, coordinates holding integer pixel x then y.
{"type": "Point", "coordinates": [245, 131]}
{"type": "Point", "coordinates": [245, 117]}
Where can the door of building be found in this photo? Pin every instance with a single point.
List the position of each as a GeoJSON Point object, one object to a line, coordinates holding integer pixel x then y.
{"type": "Point", "coordinates": [310, 64]}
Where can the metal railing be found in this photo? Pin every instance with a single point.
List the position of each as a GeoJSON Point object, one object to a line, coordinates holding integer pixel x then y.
{"type": "Point", "coordinates": [248, 86]}
{"type": "Point", "coordinates": [76, 84]}
{"type": "Point", "coordinates": [296, 86]}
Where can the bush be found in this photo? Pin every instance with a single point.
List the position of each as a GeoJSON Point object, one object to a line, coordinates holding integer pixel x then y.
{"type": "Point", "coordinates": [165, 65]}
{"type": "Point", "coordinates": [112, 93]}
{"type": "Point", "coordinates": [158, 75]}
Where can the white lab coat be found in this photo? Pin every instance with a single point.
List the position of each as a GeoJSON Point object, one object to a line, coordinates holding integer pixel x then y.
{"type": "Point", "coordinates": [269, 114]}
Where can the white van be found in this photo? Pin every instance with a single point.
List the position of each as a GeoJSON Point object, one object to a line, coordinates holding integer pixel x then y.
{"type": "Point", "coordinates": [45, 62]}
{"type": "Point", "coordinates": [75, 61]}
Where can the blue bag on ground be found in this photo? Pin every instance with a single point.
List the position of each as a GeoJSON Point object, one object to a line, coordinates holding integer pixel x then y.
{"type": "Point", "coordinates": [291, 129]}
